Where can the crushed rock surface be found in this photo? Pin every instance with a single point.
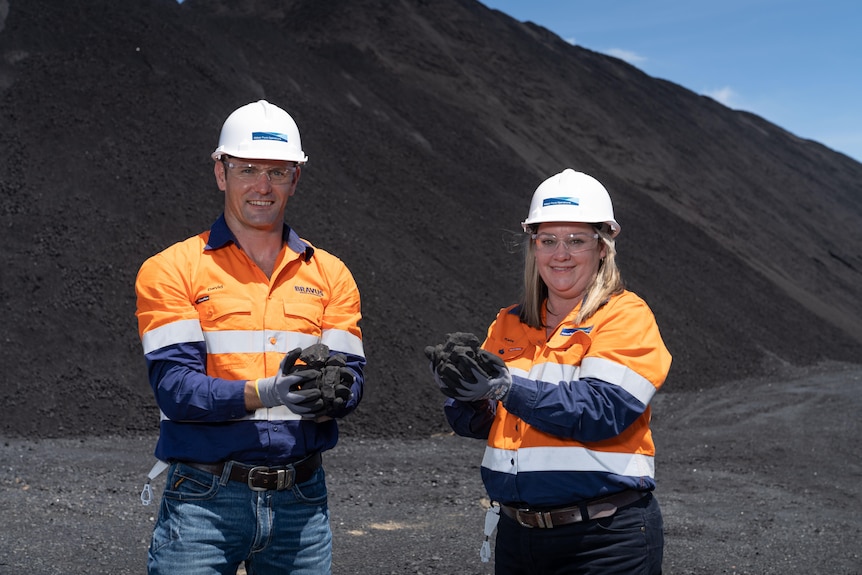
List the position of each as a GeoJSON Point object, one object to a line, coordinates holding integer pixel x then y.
{"type": "Point", "coordinates": [754, 477]}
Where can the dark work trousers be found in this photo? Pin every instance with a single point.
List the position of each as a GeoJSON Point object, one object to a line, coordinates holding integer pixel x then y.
{"type": "Point", "coordinates": [630, 542]}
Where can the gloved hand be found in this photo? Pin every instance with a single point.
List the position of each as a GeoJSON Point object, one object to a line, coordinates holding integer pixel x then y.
{"type": "Point", "coordinates": [465, 372]}
{"type": "Point", "coordinates": [335, 379]}
{"type": "Point", "coordinates": [336, 383]}
{"type": "Point", "coordinates": [327, 381]}
{"type": "Point", "coordinates": [293, 386]}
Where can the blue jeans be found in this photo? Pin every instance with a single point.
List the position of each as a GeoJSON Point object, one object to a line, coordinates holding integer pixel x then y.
{"type": "Point", "coordinates": [630, 542]}
{"type": "Point", "coordinates": [209, 525]}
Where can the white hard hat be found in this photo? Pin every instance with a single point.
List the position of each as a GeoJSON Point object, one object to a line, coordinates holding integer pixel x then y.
{"type": "Point", "coordinates": [571, 196]}
{"type": "Point", "coordinates": [262, 131]}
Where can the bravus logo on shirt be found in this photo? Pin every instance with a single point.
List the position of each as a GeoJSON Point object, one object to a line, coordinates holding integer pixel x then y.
{"type": "Point", "coordinates": [309, 290]}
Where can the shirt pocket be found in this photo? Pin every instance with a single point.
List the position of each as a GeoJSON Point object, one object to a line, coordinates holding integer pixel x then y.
{"type": "Point", "coordinates": [225, 313]}
{"type": "Point", "coordinates": [303, 317]}
{"type": "Point", "coordinates": [509, 350]}
{"type": "Point", "coordinates": [227, 324]}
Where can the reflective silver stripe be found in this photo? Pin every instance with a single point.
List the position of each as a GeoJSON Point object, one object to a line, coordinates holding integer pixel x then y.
{"type": "Point", "coordinates": [183, 331]}
{"type": "Point", "coordinates": [247, 341]}
{"type": "Point", "coordinates": [616, 373]}
{"type": "Point", "coordinates": [573, 458]}
{"type": "Point", "coordinates": [277, 413]}
{"type": "Point", "coordinates": [599, 368]}
{"type": "Point", "coordinates": [256, 341]}
{"type": "Point", "coordinates": [553, 372]}
{"type": "Point", "coordinates": [343, 341]}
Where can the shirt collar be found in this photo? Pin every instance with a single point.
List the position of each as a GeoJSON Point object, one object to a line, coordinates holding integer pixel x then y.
{"type": "Point", "coordinates": [220, 236]}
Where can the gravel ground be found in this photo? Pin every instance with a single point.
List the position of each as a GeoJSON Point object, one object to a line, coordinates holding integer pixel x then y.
{"type": "Point", "coordinates": [755, 477]}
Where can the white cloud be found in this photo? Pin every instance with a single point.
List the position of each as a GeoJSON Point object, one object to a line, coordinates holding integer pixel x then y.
{"type": "Point", "coordinates": [724, 96]}
{"type": "Point", "coordinates": [626, 55]}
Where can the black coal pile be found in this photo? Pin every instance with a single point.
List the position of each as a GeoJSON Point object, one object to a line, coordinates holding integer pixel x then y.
{"type": "Point", "coordinates": [428, 126]}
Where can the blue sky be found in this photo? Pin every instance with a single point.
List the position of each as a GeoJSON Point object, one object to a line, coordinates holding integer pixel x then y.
{"type": "Point", "coordinates": [795, 63]}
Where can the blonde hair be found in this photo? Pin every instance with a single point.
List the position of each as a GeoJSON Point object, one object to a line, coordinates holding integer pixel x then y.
{"type": "Point", "coordinates": [607, 283]}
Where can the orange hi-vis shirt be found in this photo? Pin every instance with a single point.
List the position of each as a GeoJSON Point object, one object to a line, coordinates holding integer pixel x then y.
{"type": "Point", "coordinates": [210, 319]}
{"type": "Point", "coordinates": [575, 423]}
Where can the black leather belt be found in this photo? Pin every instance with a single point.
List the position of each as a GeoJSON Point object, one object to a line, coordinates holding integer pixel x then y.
{"type": "Point", "coordinates": [594, 509]}
{"type": "Point", "coordinates": [262, 478]}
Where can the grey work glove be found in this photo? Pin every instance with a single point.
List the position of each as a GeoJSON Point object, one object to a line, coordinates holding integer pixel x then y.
{"type": "Point", "coordinates": [293, 386]}
{"type": "Point", "coordinates": [335, 379]}
{"type": "Point", "coordinates": [327, 380]}
{"type": "Point", "coordinates": [466, 372]}
{"type": "Point", "coordinates": [336, 383]}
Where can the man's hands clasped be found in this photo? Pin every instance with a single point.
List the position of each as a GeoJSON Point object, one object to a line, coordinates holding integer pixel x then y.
{"type": "Point", "coordinates": [466, 372]}
{"type": "Point", "coordinates": [320, 385]}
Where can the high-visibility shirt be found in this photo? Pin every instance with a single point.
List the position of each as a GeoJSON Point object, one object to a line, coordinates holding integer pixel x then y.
{"type": "Point", "coordinates": [575, 423]}
{"type": "Point", "coordinates": [210, 319]}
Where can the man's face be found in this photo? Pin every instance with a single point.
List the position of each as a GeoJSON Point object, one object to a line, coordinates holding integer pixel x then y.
{"type": "Point", "coordinates": [255, 191]}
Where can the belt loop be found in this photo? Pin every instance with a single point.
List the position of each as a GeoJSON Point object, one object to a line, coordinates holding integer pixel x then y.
{"type": "Point", "coordinates": [225, 474]}
{"type": "Point", "coordinates": [585, 511]}
{"type": "Point", "coordinates": [543, 520]}
{"type": "Point", "coordinates": [286, 478]}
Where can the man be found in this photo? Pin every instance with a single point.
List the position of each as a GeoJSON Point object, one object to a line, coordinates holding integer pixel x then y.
{"type": "Point", "coordinates": [253, 350]}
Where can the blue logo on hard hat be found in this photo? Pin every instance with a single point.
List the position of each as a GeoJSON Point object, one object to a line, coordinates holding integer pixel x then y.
{"type": "Point", "coordinates": [561, 202]}
{"type": "Point", "coordinates": [269, 136]}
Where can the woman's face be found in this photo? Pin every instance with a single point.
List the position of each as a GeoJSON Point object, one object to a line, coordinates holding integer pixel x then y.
{"type": "Point", "coordinates": [568, 257]}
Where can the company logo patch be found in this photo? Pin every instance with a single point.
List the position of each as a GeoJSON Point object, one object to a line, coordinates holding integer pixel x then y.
{"type": "Point", "coordinates": [309, 290]}
{"type": "Point", "coordinates": [561, 202]}
{"type": "Point", "coordinates": [275, 136]}
{"type": "Point", "coordinates": [570, 330]}
{"type": "Point", "coordinates": [202, 299]}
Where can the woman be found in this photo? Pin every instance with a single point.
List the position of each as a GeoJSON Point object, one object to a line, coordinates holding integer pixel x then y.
{"type": "Point", "coordinates": [561, 391]}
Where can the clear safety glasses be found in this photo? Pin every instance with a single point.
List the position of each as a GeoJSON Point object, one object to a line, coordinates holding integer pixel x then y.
{"type": "Point", "coordinates": [250, 173]}
{"type": "Point", "coordinates": [572, 243]}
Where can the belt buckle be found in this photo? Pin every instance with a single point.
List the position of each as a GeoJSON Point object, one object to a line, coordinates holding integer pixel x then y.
{"type": "Point", "coordinates": [284, 478]}
{"type": "Point", "coordinates": [251, 473]}
{"type": "Point", "coordinates": [521, 521]}
{"type": "Point", "coordinates": [543, 519]}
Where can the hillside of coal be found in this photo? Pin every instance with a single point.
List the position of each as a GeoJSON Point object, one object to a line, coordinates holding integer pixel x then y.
{"type": "Point", "coordinates": [428, 125]}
